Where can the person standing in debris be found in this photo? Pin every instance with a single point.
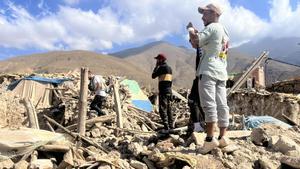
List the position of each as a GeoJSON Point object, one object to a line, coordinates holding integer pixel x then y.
{"type": "Point", "coordinates": [197, 114]}
{"type": "Point", "coordinates": [212, 73]}
{"type": "Point", "coordinates": [98, 86]}
{"type": "Point", "coordinates": [164, 73]}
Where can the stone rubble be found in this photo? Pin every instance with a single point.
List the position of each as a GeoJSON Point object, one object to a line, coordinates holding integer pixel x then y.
{"type": "Point", "coordinates": [139, 146]}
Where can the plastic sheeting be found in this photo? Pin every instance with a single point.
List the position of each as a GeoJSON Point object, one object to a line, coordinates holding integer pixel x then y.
{"type": "Point", "coordinates": [255, 121]}
{"type": "Point", "coordinates": [38, 79]}
{"type": "Point", "coordinates": [138, 99]}
{"type": "Point", "coordinates": [15, 142]}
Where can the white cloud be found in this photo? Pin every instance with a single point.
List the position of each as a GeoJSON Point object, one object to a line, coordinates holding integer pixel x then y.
{"type": "Point", "coordinates": [71, 2]}
{"type": "Point", "coordinates": [284, 21]}
{"type": "Point", "coordinates": [127, 21]}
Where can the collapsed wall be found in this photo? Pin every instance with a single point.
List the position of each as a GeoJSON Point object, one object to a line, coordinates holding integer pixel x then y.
{"type": "Point", "coordinates": [12, 111]}
{"type": "Point", "coordinates": [265, 103]}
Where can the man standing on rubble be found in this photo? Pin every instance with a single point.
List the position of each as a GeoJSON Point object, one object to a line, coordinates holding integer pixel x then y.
{"type": "Point", "coordinates": [196, 111]}
{"type": "Point", "coordinates": [164, 73]}
{"type": "Point", "coordinates": [212, 73]}
{"type": "Point", "coordinates": [99, 88]}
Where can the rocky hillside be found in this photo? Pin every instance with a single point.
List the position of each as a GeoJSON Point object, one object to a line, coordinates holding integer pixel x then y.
{"type": "Point", "coordinates": [61, 61]}
{"type": "Point", "coordinates": [182, 60]}
{"type": "Point", "coordinates": [138, 63]}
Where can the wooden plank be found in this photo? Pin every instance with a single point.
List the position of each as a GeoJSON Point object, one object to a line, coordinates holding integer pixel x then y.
{"type": "Point", "coordinates": [118, 104]}
{"type": "Point", "coordinates": [176, 94]}
{"type": "Point", "coordinates": [30, 113]}
{"type": "Point", "coordinates": [54, 148]}
{"type": "Point", "coordinates": [49, 126]}
{"type": "Point", "coordinates": [290, 121]}
{"type": "Point", "coordinates": [75, 135]}
{"type": "Point", "coordinates": [104, 118]}
{"type": "Point", "coordinates": [34, 114]}
{"type": "Point", "coordinates": [248, 72]}
{"type": "Point", "coordinates": [83, 100]}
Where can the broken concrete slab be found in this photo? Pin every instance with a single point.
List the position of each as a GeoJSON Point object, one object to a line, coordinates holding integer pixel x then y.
{"type": "Point", "coordinates": [285, 144]}
{"type": "Point", "coordinates": [7, 164]}
{"type": "Point", "coordinates": [21, 164]}
{"type": "Point", "coordinates": [291, 161]}
{"type": "Point", "coordinates": [138, 165]}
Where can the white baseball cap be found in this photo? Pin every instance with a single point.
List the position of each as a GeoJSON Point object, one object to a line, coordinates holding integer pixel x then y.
{"type": "Point", "coordinates": [211, 7]}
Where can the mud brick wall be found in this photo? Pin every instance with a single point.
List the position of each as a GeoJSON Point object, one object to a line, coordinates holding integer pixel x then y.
{"type": "Point", "coordinates": [265, 103]}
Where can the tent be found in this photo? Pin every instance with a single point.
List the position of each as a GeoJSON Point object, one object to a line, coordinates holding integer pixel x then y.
{"type": "Point", "coordinates": [138, 99]}
{"type": "Point", "coordinates": [37, 89]}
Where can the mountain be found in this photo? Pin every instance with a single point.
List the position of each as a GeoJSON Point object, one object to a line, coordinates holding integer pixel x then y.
{"type": "Point", "coordinates": [64, 61]}
{"type": "Point", "coordinates": [285, 49]}
{"type": "Point", "coordinates": [282, 49]}
{"type": "Point", "coordinates": [138, 63]}
{"type": "Point", "coordinates": [181, 60]}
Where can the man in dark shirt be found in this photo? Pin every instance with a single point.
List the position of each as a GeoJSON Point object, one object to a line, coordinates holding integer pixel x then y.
{"type": "Point", "coordinates": [197, 114]}
{"type": "Point", "coordinates": [164, 74]}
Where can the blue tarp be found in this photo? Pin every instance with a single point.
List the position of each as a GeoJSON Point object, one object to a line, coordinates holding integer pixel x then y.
{"type": "Point", "coordinates": [47, 80]}
{"type": "Point", "coordinates": [143, 104]}
{"type": "Point", "coordinates": [38, 79]}
{"type": "Point", "coordinates": [255, 121]}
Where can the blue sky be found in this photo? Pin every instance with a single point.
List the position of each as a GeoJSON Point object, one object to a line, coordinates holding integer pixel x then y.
{"type": "Point", "coordinates": [105, 26]}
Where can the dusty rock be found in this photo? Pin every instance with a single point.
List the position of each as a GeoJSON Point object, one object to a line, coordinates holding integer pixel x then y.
{"type": "Point", "coordinates": [259, 136]}
{"type": "Point", "coordinates": [293, 153]}
{"type": "Point", "coordinates": [204, 162]}
{"type": "Point", "coordinates": [95, 132]}
{"type": "Point", "coordinates": [241, 156]}
{"type": "Point", "coordinates": [104, 166]}
{"type": "Point", "coordinates": [291, 161]}
{"type": "Point", "coordinates": [285, 144]}
{"type": "Point", "coordinates": [12, 111]}
{"type": "Point", "coordinates": [230, 148]}
{"type": "Point", "coordinates": [156, 156]}
{"type": "Point", "coordinates": [41, 163]}
{"type": "Point", "coordinates": [138, 165]}
{"type": "Point", "coordinates": [198, 138]}
{"type": "Point", "coordinates": [165, 145]}
{"type": "Point", "coordinates": [265, 163]}
{"type": "Point", "coordinates": [21, 164]}
{"type": "Point", "coordinates": [245, 165]}
{"type": "Point", "coordinates": [229, 164]}
{"type": "Point", "coordinates": [6, 164]}
{"type": "Point", "coordinates": [135, 148]}
{"type": "Point", "coordinates": [124, 164]}
{"type": "Point", "coordinates": [192, 146]}
{"type": "Point", "coordinates": [217, 153]}
{"type": "Point", "coordinates": [149, 163]}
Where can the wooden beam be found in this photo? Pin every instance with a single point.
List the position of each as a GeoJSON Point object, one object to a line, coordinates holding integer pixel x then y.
{"type": "Point", "coordinates": [75, 135]}
{"type": "Point", "coordinates": [49, 126]}
{"type": "Point", "coordinates": [104, 118]}
{"type": "Point", "coordinates": [54, 148]}
{"type": "Point", "coordinates": [83, 100]}
{"type": "Point", "coordinates": [290, 121]}
{"type": "Point", "coordinates": [32, 117]}
{"type": "Point", "coordinates": [179, 96]}
{"type": "Point", "coordinates": [118, 104]}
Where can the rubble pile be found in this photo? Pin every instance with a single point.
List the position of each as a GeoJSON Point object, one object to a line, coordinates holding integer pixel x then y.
{"type": "Point", "coordinates": [265, 103]}
{"type": "Point", "coordinates": [140, 144]}
{"type": "Point", "coordinates": [12, 111]}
